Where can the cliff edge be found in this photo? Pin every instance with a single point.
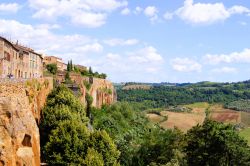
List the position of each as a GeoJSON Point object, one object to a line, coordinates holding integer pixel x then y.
{"type": "Point", "coordinates": [20, 106]}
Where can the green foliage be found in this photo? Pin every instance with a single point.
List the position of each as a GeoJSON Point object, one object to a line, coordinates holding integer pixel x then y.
{"type": "Point", "coordinates": [164, 96]}
{"type": "Point", "coordinates": [89, 100]}
{"type": "Point", "coordinates": [135, 136]}
{"type": "Point", "coordinates": [52, 68]}
{"type": "Point", "coordinates": [93, 158]}
{"type": "Point", "coordinates": [87, 84]}
{"type": "Point", "coordinates": [240, 105]}
{"type": "Point", "coordinates": [90, 73]}
{"type": "Point", "coordinates": [160, 147]}
{"type": "Point", "coordinates": [215, 144]}
{"type": "Point", "coordinates": [101, 141]}
{"type": "Point", "coordinates": [67, 144]}
{"type": "Point", "coordinates": [67, 78]}
{"type": "Point", "coordinates": [65, 139]}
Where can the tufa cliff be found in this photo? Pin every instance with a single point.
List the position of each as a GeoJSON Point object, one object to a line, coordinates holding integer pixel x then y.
{"type": "Point", "coordinates": [21, 103]}
{"type": "Point", "coordinates": [20, 106]}
{"type": "Point", "coordinates": [102, 90]}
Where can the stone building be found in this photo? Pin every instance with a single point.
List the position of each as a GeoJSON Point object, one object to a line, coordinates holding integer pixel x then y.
{"type": "Point", "coordinates": [55, 60]}
{"type": "Point", "coordinates": [18, 61]}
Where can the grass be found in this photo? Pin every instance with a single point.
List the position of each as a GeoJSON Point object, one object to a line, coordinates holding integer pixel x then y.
{"type": "Point", "coordinates": [198, 105]}
{"type": "Point", "coordinates": [245, 133]}
{"type": "Point", "coordinates": [245, 119]}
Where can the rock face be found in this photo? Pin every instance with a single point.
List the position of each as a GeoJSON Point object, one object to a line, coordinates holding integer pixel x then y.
{"type": "Point", "coordinates": [102, 90]}
{"type": "Point", "coordinates": [20, 106]}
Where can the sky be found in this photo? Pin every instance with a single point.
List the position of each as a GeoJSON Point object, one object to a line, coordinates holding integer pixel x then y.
{"type": "Point", "coordinates": [138, 40]}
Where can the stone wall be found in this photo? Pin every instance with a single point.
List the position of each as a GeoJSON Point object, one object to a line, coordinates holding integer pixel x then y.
{"type": "Point", "coordinates": [20, 105]}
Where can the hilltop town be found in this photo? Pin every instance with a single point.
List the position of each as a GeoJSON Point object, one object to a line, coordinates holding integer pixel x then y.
{"type": "Point", "coordinates": [26, 80]}
{"type": "Point", "coordinates": [18, 61]}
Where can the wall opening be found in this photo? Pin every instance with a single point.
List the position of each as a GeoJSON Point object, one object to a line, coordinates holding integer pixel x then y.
{"type": "Point", "coordinates": [27, 140]}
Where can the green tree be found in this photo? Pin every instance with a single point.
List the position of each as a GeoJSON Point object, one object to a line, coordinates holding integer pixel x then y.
{"type": "Point", "coordinates": [67, 144]}
{"type": "Point", "coordinates": [216, 144]}
{"type": "Point", "coordinates": [91, 71]}
{"type": "Point", "coordinates": [52, 68]}
{"type": "Point", "coordinates": [89, 100]}
{"type": "Point", "coordinates": [93, 158]}
{"type": "Point", "coordinates": [103, 144]}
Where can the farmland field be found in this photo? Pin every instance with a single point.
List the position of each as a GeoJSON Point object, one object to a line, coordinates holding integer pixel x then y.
{"type": "Point", "coordinates": [182, 120]}
{"type": "Point", "coordinates": [186, 120]}
{"type": "Point", "coordinates": [220, 114]}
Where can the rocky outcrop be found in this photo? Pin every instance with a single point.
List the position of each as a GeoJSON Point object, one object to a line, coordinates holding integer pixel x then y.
{"type": "Point", "coordinates": [102, 90]}
{"type": "Point", "coordinates": [20, 106]}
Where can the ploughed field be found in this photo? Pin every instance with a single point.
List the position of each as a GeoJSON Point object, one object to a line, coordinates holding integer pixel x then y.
{"type": "Point", "coordinates": [196, 114]}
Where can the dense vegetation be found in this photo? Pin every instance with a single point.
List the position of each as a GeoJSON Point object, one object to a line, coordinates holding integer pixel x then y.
{"type": "Point", "coordinates": [52, 68]}
{"type": "Point", "coordinates": [65, 139]}
{"type": "Point", "coordinates": [164, 96]}
{"type": "Point", "coordinates": [84, 72]}
{"type": "Point", "coordinates": [239, 105]}
{"type": "Point", "coordinates": [120, 134]}
{"type": "Point", "coordinates": [142, 143]}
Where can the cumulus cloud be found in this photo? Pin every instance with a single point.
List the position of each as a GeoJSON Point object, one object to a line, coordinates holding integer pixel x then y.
{"type": "Point", "coordinates": [235, 57]}
{"type": "Point", "coordinates": [138, 10]}
{"type": "Point", "coordinates": [87, 51]}
{"type": "Point", "coordinates": [89, 48]}
{"type": "Point", "coordinates": [44, 41]}
{"type": "Point", "coordinates": [146, 55]}
{"type": "Point", "coordinates": [229, 70]}
{"type": "Point", "coordinates": [168, 15]}
{"type": "Point", "coordinates": [206, 13]}
{"type": "Point", "coordinates": [125, 11]}
{"type": "Point", "coordinates": [9, 7]}
{"type": "Point", "coordinates": [186, 65]}
{"type": "Point", "coordinates": [88, 13]}
{"type": "Point", "coordinates": [151, 12]}
{"type": "Point", "coordinates": [121, 42]}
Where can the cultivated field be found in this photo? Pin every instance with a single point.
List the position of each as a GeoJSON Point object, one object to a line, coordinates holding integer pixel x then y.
{"type": "Point", "coordinates": [186, 120]}
{"type": "Point", "coordinates": [131, 87]}
{"type": "Point", "coordinates": [182, 120]}
{"type": "Point", "coordinates": [220, 114]}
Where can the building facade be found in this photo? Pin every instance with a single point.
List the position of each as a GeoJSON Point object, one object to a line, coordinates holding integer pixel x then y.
{"type": "Point", "coordinates": [55, 60]}
{"type": "Point", "coordinates": [18, 61]}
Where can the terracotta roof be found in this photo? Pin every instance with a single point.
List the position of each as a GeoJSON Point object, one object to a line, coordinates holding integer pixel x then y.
{"type": "Point", "coordinates": [7, 41]}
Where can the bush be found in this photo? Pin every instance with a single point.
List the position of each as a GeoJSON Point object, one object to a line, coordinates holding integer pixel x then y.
{"type": "Point", "coordinates": [52, 68]}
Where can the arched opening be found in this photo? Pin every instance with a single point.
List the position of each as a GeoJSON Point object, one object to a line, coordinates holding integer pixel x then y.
{"type": "Point", "coordinates": [27, 140]}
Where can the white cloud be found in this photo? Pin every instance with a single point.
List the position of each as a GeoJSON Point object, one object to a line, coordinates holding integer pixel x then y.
{"type": "Point", "coordinates": [88, 13]}
{"type": "Point", "coordinates": [229, 70]}
{"type": "Point", "coordinates": [48, 26]}
{"type": "Point", "coordinates": [125, 11]}
{"type": "Point", "coordinates": [168, 16]}
{"type": "Point", "coordinates": [41, 39]}
{"type": "Point", "coordinates": [121, 42]}
{"type": "Point", "coordinates": [238, 10]}
{"type": "Point", "coordinates": [235, 57]}
{"type": "Point", "coordinates": [206, 13]}
{"type": "Point", "coordinates": [9, 7]}
{"type": "Point", "coordinates": [185, 65]}
{"type": "Point", "coordinates": [112, 56]}
{"type": "Point", "coordinates": [138, 10]}
{"type": "Point", "coordinates": [88, 48]}
{"type": "Point", "coordinates": [146, 55]}
{"type": "Point", "coordinates": [151, 12]}
{"type": "Point", "coordinates": [87, 51]}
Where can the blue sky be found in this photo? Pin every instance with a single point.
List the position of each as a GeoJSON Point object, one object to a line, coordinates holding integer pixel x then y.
{"type": "Point", "coordinates": [138, 40]}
